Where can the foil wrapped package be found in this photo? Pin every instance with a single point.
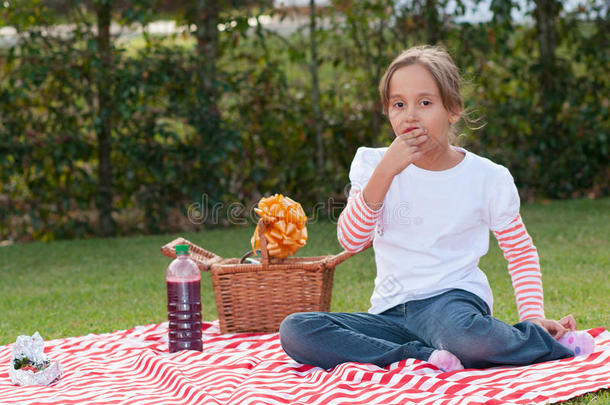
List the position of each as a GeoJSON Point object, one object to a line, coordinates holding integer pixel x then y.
{"type": "Point", "coordinates": [29, 365]}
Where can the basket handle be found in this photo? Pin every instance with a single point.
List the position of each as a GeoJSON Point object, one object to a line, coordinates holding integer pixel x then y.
{"type": "Point", "coordinates": [203, 258]}
{"type": "Point", "coordinates": [262, 226]}
{"type": "Point", "coordinates": [330, 262]}
{"type": "Point", "coordinates": [339, 258]}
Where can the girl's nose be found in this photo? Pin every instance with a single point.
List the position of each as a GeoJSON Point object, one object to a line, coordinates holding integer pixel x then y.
{"type": "Point", "coordinates": [410, 114]}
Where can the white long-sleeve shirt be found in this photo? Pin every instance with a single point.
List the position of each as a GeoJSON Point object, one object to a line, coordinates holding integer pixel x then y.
{"type": "Point", "coordinates": [433, 228]}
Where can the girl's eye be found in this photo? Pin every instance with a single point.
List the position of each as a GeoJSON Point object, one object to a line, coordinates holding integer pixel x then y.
{"type": "Point", "coordinates": [426, 102]}
{"type": "Point", "coordinates": [399, 104]}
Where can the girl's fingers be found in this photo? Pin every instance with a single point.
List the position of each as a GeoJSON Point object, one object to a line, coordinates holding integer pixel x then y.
{"type": "Point", "coordinates": [568, 322]}
{"type": "Point", "coordinates": [411, 140]}
{"type": "Point", "coordinates": [420, 139]}
{"type": "Point", "coordinates": [414, 133]}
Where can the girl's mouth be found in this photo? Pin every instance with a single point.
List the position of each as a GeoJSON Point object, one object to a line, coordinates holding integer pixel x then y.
{"type": "Point", "coordinates": [409, 130]}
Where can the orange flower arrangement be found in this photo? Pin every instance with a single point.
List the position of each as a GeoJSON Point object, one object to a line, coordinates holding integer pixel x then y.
{"type": "Point", "coordinates": [285, 226]}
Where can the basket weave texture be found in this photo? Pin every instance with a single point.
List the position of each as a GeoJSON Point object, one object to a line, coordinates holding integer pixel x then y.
{"type": "Point", "coordinates": [255, 298]}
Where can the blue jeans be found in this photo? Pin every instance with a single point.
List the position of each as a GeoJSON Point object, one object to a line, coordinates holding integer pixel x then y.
{"type": "Point", "coordinates": [457, 321]}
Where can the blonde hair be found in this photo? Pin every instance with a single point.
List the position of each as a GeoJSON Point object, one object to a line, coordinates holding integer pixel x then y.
{"type": "Point", "coordinates": [445, 73]}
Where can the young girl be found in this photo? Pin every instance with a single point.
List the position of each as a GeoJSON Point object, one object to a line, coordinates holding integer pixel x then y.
{"type": "Point", "coordinates": [428, 207]}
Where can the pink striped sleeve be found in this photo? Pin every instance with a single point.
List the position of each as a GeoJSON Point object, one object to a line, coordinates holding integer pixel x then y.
{"type": "Point", "coordinates": [523, 267]}
{"type": "Point", "coordinates": [356, 225]}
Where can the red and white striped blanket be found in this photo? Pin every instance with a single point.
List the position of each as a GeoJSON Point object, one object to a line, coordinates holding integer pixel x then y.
{"type": "Point", "coordinates": [133, 367]}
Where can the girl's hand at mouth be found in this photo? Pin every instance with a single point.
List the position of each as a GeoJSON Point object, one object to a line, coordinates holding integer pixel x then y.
{"type": "Point", "coordinates": [407, 148]}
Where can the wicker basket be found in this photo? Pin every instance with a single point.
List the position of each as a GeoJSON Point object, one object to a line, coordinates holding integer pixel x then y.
{"type": "Point", "coordinates": [256, 297]}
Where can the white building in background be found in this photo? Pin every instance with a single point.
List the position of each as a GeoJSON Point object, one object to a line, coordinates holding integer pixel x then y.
{"type": "Point", "coordinates": [300, 3]}
{"type": "Point", "coordinates": [297, 16]}
{"type": "Point", "coordinates": [474, 13]}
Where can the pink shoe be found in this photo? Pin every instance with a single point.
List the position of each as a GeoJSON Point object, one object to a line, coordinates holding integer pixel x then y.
{"type": "Point", "coordinates": [580, 342]}
{"type": "Point", "coordinates": [445, 361]}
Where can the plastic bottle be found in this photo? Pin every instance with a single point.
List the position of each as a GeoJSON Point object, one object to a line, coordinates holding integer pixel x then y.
{"type": "Point", "coordinates": [184, 302]}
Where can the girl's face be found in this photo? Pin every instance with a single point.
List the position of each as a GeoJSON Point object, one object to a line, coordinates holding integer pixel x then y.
{"type": "Point", "coordinates": [415, 102]}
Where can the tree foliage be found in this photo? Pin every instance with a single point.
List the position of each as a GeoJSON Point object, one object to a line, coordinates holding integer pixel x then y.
{"type": "Point", "coordinates": [200, 120]}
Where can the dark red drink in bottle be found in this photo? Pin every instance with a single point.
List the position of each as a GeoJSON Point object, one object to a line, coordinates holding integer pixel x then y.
{"type": "Point", "coordinates": [184, 302]}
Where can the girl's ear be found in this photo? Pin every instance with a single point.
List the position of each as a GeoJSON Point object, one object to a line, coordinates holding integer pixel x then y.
{"type": "Point", "coordinates": [454, 117]}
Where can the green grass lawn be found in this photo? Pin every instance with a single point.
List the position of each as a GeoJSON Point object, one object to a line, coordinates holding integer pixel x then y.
{"type": "Point", "coordinates": [71, 288]}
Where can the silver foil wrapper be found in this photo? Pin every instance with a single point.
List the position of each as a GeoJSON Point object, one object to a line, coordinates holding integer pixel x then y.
{"type": "Point", "coordinates": [32, 348]}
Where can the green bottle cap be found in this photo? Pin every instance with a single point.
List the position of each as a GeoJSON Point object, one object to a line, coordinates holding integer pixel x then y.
{"type": "Point", "coordinates": [182, 249]}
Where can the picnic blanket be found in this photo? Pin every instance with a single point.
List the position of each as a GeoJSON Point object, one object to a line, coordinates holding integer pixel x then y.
{"type": "Point", "coordinates": [134, 367]}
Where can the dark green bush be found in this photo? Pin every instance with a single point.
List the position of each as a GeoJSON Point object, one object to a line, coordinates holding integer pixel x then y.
{"type": "Point", "coordinates": [188, 152]}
